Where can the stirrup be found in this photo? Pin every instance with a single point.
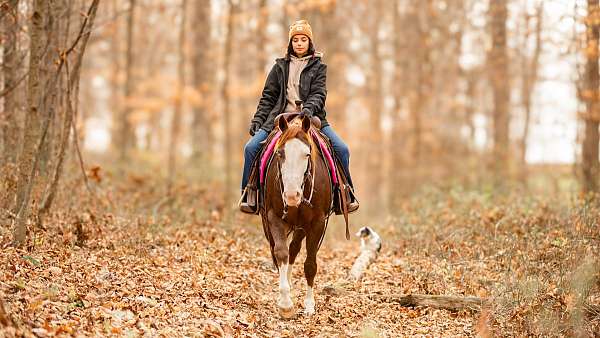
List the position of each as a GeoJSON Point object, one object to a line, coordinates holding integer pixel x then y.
{"type": "Point", "coordinates": [247, 203]}
{"type": "Point", "coordinates": [352, 201]}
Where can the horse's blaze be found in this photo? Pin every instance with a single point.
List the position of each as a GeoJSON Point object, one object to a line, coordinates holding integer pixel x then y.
{"type": "Point", "coordinates": [292, 170]}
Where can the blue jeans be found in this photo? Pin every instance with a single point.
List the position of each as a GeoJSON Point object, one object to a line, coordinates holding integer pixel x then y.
{"type": "Point", "coordinates": [341, 150]}
{"type": "Point", "coordinates": [251, 149]}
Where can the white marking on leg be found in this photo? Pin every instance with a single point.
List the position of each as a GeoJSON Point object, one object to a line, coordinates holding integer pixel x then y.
{"type": "Point", "coordinates": [309, 301]}
{"type": "Point", "coordinates": [284, 302]}
{"type": "Point", "coordinates": [289, 277]}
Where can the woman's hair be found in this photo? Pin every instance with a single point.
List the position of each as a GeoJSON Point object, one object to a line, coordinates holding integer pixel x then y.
{"type": "Point", "coordinates": [311, 48]}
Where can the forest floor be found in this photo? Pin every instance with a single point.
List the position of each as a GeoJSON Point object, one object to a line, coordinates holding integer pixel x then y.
{"type": "Point", "coordinates": [181, 268]}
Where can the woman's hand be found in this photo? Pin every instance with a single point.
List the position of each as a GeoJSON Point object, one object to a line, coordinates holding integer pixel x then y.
{"type": "Point", "coordinates": [254, 126]}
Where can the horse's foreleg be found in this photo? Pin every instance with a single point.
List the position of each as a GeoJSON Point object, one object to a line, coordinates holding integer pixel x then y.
{"type": "Point", "coordinates": [284, 302]}
{"type": "Point", "coordinates": [310, 266]}
{"type": "Point", "coordinates": [295, 245]}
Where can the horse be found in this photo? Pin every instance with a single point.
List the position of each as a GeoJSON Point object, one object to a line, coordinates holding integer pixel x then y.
{"type": "Point", "coordinates": [297, 201]}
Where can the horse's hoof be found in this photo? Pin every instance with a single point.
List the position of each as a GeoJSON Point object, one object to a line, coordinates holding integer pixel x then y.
{"type": "Point", "coordinates": [309, 311]}
{"type": "Point", "coordinates": [287, 313]}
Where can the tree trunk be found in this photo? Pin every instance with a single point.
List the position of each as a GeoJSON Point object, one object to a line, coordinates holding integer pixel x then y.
{"type": "Point", "coordinates": [592, 116]}
{"type": "Point", "coordinates": [51, 104]}
{"type": "Point", "coordinates": [10, 60]}
{"type": "Point", "coordinates": [116, 91]}
{"type": "Point", "coordinates": [420, 78]}
{"type": "Point", "coordinates": [227, 100]}
{"type": "Point", "coordinates": [375, 89]}
{"type": "Point", "coordinates": [39, 17]}
{"type": "Point", "coordinates": [31, 155]}
{"type": "Point", "coordinates": [261, 35]}
{"type": "Point", "coordinates": [530, 76]}
{"type": "Point", "coordinates": [203, 81]}
{"type": "Point", "coordinates": [396, 143]}
{"type": "Point", "coordinates": [127, 135]}
{"type": "Point", "coordinates": [498, 63]}
{"type": "Point", "coordinates": [178, 98]}
{"type": "Point", "coordinates": [71, 104]}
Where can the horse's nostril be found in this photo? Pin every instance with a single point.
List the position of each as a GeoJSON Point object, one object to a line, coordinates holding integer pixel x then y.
{"type": "Point", "coordinates": [293, 196]}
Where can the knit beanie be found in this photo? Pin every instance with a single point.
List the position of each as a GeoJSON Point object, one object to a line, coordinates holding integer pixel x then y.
{"type": "Point", "coordinates": [300, 27]}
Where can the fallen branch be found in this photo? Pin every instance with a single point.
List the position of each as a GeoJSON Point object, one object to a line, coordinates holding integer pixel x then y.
{"type": "Point", "coordinates": [452, 303]}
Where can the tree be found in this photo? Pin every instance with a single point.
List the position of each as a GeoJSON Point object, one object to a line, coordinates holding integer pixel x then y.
{"type": "Point", "coordinates": [10, 67]}
{"type": "Point", "coordinates": [127, 135]}
{"type": "Point", "coordinates": [203, 81]}
{"type": "Point", "coordinates": [375, 95]}
{"type": "Point", "coordinates": [529, 77]}
{"type": "Point", "coordinates": [178, 98]}
{"type": "Point", "coordinates": [498, 68]}
{"type": "Point", "coordinates": [36, 131]}
{"type": "Point", "coordinates": [32, 132]}
{"type": "Point", "coordinates": [225, 94]}
{"type": "Point", "coordinates": [590, 94]}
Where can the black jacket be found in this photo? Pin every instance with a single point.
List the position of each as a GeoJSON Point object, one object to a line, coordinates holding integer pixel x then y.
{"type": "Point", "coordinates": [313, 91]}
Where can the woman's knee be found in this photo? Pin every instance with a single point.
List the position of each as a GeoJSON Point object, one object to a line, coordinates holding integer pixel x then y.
{"type": "Point", "coordinates": [250, 149]}
{"type": "Point", "coordinates": [343, 150]}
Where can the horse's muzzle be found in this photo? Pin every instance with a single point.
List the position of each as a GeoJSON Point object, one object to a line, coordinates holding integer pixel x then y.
{"type": "Point", "coordinates": [292, 199]}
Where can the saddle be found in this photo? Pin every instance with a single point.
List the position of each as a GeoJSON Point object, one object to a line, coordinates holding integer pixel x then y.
{"type": "Point", "coordinates": [342, 192]}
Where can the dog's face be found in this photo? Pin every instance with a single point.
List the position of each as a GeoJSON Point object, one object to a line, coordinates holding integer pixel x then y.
{"type": "Point", "coordinates": [364, 232]}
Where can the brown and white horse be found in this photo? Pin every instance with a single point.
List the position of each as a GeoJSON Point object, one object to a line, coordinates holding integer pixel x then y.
{"type": "Point", "coordinates": [297, 201]}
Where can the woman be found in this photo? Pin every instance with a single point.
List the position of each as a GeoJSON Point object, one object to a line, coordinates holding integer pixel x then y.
{"type": "Point", "coordinates": [300, 75]}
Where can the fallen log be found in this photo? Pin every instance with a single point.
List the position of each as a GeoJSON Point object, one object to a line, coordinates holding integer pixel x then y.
{"type": "Point", "coordinates": [452, 303]}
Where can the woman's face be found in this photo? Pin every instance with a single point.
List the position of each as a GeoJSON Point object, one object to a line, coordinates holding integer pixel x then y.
{"type": "Point", "coordinates": [300, 44]}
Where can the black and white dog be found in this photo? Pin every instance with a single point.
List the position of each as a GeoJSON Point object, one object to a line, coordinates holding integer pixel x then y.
{"type": "Point", "coordinates": [370, 245]}
{"type": "Point", "coordinates": [369, 240]}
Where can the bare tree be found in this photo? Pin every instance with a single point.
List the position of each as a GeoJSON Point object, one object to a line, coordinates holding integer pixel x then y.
{"type": "Point", "coordinates": [71, 98]}
{"type": "Point", "coordinates": [529, 73]}
{"type": "Point", "coordinates": [225, 94]}
{"type": "Point", "coordinates": [375, 95]}
{"type": "Point", "coordinates": [261, 35]}
{"type": "Point", "coordinates": [178, 97]}
{"type": "Point", "coordinates": [39, 17]}
{"type": "Point", "coordinates": [401, 66]}
{"type": "Point", "coordinates": [33, 148]}
{"type": "Point", "coordinates": [10, 61]}
{"type": "Point", "coordinates": [127, 134]}
{"type": "Point", "coordinates": [592, 116]}
{"type": "Point", "coordinates": [203, 81]}
{"type": "Point", "coordinates": [498, 68]}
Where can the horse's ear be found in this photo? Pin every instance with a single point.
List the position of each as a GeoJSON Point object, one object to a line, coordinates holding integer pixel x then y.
{"type": "Point", "coordinates": [283, 125]}
{"type": "Point", "coordinates": [305, 123]}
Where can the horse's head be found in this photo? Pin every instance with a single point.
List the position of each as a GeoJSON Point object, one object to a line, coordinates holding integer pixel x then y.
{"type": "Point", "coordinates": [294, 153]}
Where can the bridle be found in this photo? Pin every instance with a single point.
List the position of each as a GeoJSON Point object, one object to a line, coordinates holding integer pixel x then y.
{"type": "Point", "coordinates": [309, 175]}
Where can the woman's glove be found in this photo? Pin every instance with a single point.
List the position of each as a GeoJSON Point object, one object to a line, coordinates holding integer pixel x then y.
{"type": "Point", "coordinates": [254, 126]}
{"type": "Point", "coordinates": [306, 112]}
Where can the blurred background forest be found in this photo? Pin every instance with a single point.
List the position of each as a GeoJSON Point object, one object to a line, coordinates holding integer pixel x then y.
{"type": "Point", "coordinates": [474, 140]}
{"type": "Point", "coordinates": [469, 93]}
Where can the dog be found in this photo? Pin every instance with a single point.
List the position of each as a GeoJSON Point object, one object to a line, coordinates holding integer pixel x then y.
{"type": "Point", "coordinates": [370, 245]}
{"type": "Point", "coordinates": [369, 239]}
